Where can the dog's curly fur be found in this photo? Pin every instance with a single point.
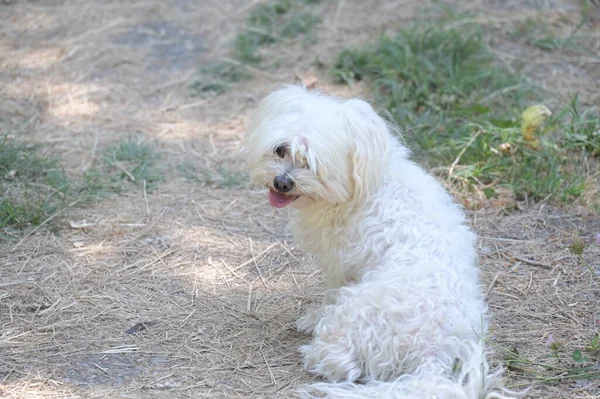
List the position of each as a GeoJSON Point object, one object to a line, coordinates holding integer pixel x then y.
{"type": "Point", "coordinates": [404, 315]}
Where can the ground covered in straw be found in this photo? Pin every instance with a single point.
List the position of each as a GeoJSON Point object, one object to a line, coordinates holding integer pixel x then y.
{"type": "Point", "coordinates": [166, 275]}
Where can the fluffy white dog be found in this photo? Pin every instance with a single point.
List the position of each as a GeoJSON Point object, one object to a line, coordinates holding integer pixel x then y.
{"type": "Point", "coordinates": [404, 315]}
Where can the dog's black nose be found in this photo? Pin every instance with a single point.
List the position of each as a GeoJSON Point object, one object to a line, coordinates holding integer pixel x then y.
{"type": "Point", "coordinates": [283, 183]}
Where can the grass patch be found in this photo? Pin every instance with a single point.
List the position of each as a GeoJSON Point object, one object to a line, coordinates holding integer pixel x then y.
{"type": "Point", "coordinates": [582, 129]}
{"type": "Point", "coordinates": [32, 186]}
{"type": "Point", "coordinates": [268, 23]}
{"type": "Point", "coordinates": [540, 34]}
{"type": "Point", "coordinates": [134, 161]}
{"type": "Point", "coordinates": [99, 181]}
{"type": "Point", "coordinates": [299, 24]}
{"type": "Point", "coordinates": [216, 79]}
{"type": "Point", "coordinates": [423, 70]}
{"type": "Point", "coordinates": [460, 112]}
{"type": "Point", "coordinates": [129, 161]}
{"type": "Point", "coordinates": [220, 178]}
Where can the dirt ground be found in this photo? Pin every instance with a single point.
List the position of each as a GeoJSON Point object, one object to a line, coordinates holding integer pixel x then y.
{"type": "Point", "coordinates": [211, 272]}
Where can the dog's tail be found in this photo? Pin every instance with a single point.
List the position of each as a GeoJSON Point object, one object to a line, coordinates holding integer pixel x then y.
{"type": "Point", "coordinates": [473, 380]}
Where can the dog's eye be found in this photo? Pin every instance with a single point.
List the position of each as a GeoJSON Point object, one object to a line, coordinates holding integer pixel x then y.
{"type": "Point", "coordinates": [280, 151]}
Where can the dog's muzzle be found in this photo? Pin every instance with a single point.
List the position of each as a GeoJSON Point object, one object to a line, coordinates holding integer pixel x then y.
{"type": "Point", "coordinates": [283, 183]}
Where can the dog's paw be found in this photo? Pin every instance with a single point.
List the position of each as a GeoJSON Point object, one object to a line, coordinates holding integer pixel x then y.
{"type": "Point", "coordinates": [331, 361]}
{"type": "Point", "coordinates": [308, 322]}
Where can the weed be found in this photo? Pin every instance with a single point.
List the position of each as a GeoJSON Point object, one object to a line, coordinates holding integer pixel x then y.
{"type": "Point", "coordinates": [96, 182]}
{"type": "Point", "coordinates": [262, 30]}
{"type": "Point", "coordinates": [246, 46]}
{"type": "Point", "coordinates": [594, 346]}
{"type": "Point", "coordinates": [134, 160]}
{"type": "Point", "coordinates": [582, 130]}
{"type": "Point", "coordinates": [299, 24]}
{"type": "Point", "coordinates": [538, 33]}
{"type": "Point", "coordinates": [540, 175]}
{"type": "Point", "coordinates": [460, 113]}
{"type": "Point", "coordinates": [220, 178]}
{"type": "Point", "coordinates": [215, 79]}
{"type": "Point", "coordinates": [267, 15]}
{"type": "Point", "coordinates": [268, 23]}
{"type": "Point", "coordinates": [563, 363]}
{"type": "Point", "coordinates": [577, 248]}
{"type": "Point", "coordinates": [32, 186]}
{"type": "Point", "coordinates": [431, 69]}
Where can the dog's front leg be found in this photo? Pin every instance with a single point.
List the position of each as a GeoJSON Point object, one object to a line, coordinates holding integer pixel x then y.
{"type": "Point", "coordinates": [309, 321]}
{"type": "Point", "coordinates": [333, 352]}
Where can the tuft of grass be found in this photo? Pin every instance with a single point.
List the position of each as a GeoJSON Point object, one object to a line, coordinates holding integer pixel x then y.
{"type": "Point", "coordinates": [299, 24]}
{"type": "Point", "coordinates": [538, 33]}
{"type": "Point", "coordinates": [32, 186]}
{"type": "Point", "coordinates": [460, 112]}
{"type": "Point", "coordinates": [246, 46]}
{"type": "Point", "coordinates": [220, 178]}
{"type": "Point", "coordinates": [98, 181]}
{"type": "Point", "coordinates": [577, 248]}
{"type": "Point", "coordinates": [134, 161]}
{"type": "Point", "coordinates": [582, 129]}
{"type": "Point", "coordinates": [562, 363]}
{"type": "Point", "coordinates": [268, 23]}
{"type": "Point", "coordinates": [432, 69]}
{"type": "Point", "coordinates": [216, 79]}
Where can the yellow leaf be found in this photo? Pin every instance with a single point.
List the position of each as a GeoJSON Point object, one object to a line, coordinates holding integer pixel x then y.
{"type": "Point", "coordinates": [532, 119]}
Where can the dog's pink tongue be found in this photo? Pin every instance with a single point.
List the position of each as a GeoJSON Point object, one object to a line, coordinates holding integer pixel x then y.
{"type": "Point", "coordinates": [279, 200]}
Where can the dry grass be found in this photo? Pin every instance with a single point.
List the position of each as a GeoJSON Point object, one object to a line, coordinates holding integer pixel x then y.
{"type": "Point", "coordinates": [209, 272]}
{"type": "Point", "coordinates": [538, 289]}
{"type": "Point", "coordinates": [218, 297]}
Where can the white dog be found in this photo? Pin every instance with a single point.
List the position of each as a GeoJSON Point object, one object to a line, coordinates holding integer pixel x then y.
{"type": "Point", "coordinates": [404, 315]}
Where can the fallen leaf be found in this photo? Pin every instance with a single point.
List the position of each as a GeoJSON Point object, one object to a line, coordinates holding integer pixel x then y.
{"type": "Point", "coordinates": [532, 119]}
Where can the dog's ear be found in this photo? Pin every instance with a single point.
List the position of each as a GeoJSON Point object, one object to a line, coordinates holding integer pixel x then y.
{"type": "Point", "coordinates": [369, 148]}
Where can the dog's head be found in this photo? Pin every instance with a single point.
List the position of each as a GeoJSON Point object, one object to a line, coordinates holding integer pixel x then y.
{"type": "Point", "coordinates": [308, 148]}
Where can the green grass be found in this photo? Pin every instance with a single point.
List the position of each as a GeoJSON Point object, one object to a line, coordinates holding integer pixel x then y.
{"type": "Point", "coordinates": [549, 34]}
{"type": "Point", "coordinates": [134, 161]}
{"type": "Point", "coordinates": [582, 129]}
{"type": "Point", "coordinates": [32, 186]}
{"type": "Point", "coordinates": [458, 108]}
{"type": "Point", "coordinates": [221, 177]}
{"type": "Point", "coordinates": [99, 181]}
{"type": "Point", "coordinates": [539, 33]}
{"type": "Point", "coordinates": [268, 23]}
{"type": "Point", "coordinates": [299, 24]}
{"type": "Point", "coordinates": [218, 78]}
